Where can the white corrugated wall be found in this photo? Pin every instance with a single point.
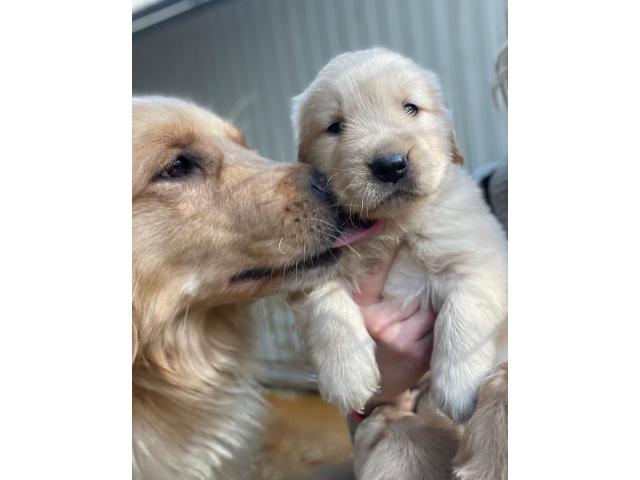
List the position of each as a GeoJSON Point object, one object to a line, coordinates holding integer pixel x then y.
{"type": "Point", "coordinates": [245, 59]}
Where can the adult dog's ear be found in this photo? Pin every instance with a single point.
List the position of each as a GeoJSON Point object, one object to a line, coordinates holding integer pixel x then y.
{"type": "Point", "coordinates": [456, 152]}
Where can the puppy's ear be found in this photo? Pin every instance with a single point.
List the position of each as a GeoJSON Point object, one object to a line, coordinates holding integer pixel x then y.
{"type": "Point", "coordinates": [303, 154]}
{"type": "Point", "coordinates": [296, 119]}
{"type": "Point", "coordinates": [456, 152]}
{"type": "Point", "coordinates": [237, 136]}
{"type": "Point", "coordinates": [296, 114]}
{"type": "Point", "coordinates": [436, 92]}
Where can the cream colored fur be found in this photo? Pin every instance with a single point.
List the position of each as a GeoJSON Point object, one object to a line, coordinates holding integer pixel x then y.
{"type": "Point", "coordinates": [453, 251]}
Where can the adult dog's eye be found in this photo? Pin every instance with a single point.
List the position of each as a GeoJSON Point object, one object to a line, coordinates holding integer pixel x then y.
{"type": "Point", "coordinates": [336, 128]}
{"type": "Point", "coordinates": [411, 109]}
{"type": "Point", "coordinates": [180, 167]}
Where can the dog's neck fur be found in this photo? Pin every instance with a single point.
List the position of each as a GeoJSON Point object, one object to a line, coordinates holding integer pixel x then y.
{"type": "Point", "coordinates": [427, 224]}
{"type": "Point", "coordinates": [185, 382]}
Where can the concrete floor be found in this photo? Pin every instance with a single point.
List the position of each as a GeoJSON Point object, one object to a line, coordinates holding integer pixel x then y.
{"type": "Point", "coordinates": [306, 438]}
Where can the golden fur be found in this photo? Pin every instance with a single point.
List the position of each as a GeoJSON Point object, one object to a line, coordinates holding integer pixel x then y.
{"type": "Point", "coordinates": [234, 228]}
{"type": "Point", "coordinates": [416, 442]}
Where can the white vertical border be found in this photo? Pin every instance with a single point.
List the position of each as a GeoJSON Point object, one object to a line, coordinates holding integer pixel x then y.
{"type": "Point", "coordinates": [573, 239]}
{"type": "Point", "coordinates": [65, 341]}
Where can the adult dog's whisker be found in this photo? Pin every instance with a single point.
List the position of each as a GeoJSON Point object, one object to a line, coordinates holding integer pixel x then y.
{"type": "Point", "coordinates": [354, 251]}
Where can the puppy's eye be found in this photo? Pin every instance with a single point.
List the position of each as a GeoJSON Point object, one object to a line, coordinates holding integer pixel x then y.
{"type": "Point", "coordinates": [411, 109]}
{"type": "Point", "coordinates": [336, 128]}
{"type": "Point", "coordinates": [180, 167]}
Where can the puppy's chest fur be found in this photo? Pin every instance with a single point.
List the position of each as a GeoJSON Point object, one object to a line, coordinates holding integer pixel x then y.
{"type": "Point", "coordinates": [445, 238]}
{"type": "Point", "coordinates": [452, 257]}
{"type": "Point", "coordinates": [408, 277]}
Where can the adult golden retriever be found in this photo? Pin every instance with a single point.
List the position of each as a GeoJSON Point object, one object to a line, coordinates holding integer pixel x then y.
{"type": "Point", "coordinates": [215, 226]}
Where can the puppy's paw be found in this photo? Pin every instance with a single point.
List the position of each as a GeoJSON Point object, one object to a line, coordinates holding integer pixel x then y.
{"type": "Point", "coordinates": [349, 377]}
{"type": "Point", "coordinates": [455, 393]}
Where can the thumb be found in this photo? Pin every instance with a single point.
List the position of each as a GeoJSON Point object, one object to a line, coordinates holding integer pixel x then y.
{"type": "Point", "coordinates": [372, 285]}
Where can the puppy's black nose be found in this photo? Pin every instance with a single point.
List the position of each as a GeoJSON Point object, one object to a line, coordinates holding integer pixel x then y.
{"type": "Point", "coordinates": [390, 168]}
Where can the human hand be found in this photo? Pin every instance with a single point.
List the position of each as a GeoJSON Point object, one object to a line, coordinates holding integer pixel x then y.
{"type": "Point", "coordinates": [403, 334]}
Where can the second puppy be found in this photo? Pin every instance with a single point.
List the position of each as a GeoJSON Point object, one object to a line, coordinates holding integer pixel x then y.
{"type": "Point", "coordinates": [375, 124]}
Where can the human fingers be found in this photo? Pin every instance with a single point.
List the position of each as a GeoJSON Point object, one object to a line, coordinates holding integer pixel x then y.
{"type": "Point", "coordinates": [378, 317]}
{"type": "Point", "coordinates": [419, 324]}
{"type": "Point", "coordinates": [422, 352]}
{"type": "Point", "coordinates": [401, 336]}
{"type": "Point", "coordinates": [370, 287]}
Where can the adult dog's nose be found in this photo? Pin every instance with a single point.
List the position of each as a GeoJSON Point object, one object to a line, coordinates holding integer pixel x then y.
{"type": "Point", "coordinates": [320, 187]}
{"type": "Point", "coordinates": [390, 168]}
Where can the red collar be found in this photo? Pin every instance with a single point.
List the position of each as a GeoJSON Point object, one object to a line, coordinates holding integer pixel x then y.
{"type": "Point", "coordinates": [358, 417]}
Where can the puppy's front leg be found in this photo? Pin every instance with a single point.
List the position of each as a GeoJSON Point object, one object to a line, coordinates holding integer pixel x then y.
{"type": "Point", "coordinates": [341, 350]}
{"type": "Point", "coordinates": [465, 344]}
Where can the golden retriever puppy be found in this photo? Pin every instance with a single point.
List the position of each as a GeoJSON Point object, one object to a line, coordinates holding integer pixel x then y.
{"type": "Point", "coordinates": [215, 226]}
{"type": "Point", "coordinates": [375, 124]}
{"type": "Point", "coordinates": [394, 442]}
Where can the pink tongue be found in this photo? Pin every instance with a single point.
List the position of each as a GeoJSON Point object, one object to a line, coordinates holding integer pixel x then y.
{"type": "Point", "coordinates": [350, 236]}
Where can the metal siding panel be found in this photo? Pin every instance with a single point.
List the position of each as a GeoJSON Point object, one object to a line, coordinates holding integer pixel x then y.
{"type": "Point", "coordinates": [347, 28]}
{"type": "Point", "coordinates": [241, 42]}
